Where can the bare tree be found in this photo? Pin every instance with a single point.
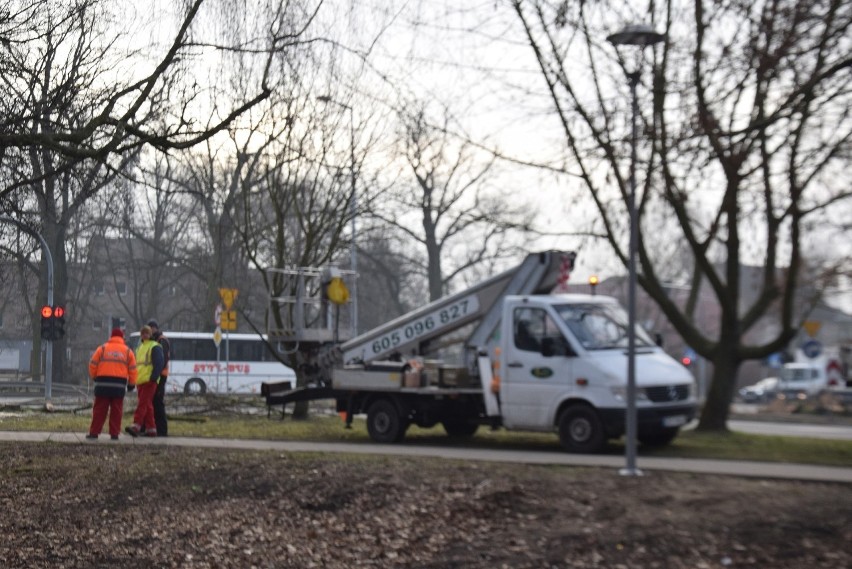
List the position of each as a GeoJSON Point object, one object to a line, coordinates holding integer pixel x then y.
{"type": "Point", "coordinates": [745, 132]}
{"type": "Point", "coordinates": [443, 200]}
{"type": "Point", "coordinates": [143, 231]}
{"type": "Point", "coordinates": [74, 121]}
{"type": "Point", "coordinates": [78, 53]}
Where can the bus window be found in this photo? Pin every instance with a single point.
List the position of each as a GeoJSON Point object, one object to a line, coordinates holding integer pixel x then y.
{"type": "Point", "coordinates": [204, 350]}
{"type": "Point", "coordinates": [242, 363]}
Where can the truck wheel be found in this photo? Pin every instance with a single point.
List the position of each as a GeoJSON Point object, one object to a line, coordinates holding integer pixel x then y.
{"type": "Point", "coordinates": [384, 423]}
{"type": "Point", "coordinates": [658, 438]}
{"type": "Point", "coordinates": [195, 386]}
{"type": "Point", "coordinates": [460, 429]}
{"type": "Point", "coordinates": [581, 430]}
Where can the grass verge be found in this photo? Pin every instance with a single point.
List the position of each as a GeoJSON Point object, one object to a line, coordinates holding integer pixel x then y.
{"type": "Point", "coordinates": [329, 428]}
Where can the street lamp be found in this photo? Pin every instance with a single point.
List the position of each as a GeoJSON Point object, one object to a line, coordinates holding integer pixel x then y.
{"type": "Point", "coordinates": [353, 255]}
{"type": "Point", "coordinates": [641, 36]}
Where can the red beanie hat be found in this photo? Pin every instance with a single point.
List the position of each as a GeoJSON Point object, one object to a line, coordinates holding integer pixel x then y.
{"type": "Point", "coordinates": [117, 332]}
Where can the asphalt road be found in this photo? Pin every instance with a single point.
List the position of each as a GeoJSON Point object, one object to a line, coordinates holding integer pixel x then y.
{"type": "Point", "coordinates": [838, 432]}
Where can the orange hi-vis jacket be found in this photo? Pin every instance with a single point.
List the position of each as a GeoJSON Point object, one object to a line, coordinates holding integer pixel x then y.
{"type": "Point", "coordinates": [112, 367]}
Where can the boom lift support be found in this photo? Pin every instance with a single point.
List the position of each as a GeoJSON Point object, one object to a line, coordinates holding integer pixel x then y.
{"type": "Point", "coordinates": [309, 328]}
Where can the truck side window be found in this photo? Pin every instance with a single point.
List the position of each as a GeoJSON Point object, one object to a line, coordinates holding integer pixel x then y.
{"type": "Point", "coordinates": [532, 328]}
{"type": "Point", "coordinates": [524, 339]}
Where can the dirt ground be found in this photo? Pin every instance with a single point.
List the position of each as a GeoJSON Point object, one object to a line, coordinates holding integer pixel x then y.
{"type": "Point", "coordinates": [135, 506]}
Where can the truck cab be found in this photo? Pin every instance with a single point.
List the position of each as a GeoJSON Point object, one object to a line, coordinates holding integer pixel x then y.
{"type": "Point", "coordinates": [564, 366]}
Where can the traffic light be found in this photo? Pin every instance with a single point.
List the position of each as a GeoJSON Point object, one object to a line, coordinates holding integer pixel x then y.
{"type": "Point", "coordinates": [47, 322]}
{"type": "Point", "coordinates": [58, 322]}
{"type": "Point", "coordinates": [686, 361]}
{"type": "Point", "coordinates": [52, 322]}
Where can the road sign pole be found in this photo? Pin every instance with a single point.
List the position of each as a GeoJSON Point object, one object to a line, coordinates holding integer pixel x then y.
{"type": "Point", "coordinates": [217, 339]}
{"type": "Point", "coordinates": [227, 361]}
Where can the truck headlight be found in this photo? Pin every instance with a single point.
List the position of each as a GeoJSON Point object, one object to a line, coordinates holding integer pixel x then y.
{"type": "Point", "coordinates": [620, 393]}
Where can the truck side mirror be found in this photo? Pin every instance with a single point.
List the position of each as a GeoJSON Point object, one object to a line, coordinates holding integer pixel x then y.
{"type": "Point", "coordinates": [555, 347]}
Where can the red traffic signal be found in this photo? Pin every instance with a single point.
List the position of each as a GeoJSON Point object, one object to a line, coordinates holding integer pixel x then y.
{"type": "Point", "coordinates": [686, 360]}
{"type": "Point", "coordinates": [52, 322]}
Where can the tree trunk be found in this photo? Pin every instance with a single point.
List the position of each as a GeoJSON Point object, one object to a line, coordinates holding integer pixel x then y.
{"type": "Point", "coordinates": [714, 413]}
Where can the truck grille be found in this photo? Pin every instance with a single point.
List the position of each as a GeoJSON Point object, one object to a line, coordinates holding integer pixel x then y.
{"type": "Point", "coordinates": [666, 393]}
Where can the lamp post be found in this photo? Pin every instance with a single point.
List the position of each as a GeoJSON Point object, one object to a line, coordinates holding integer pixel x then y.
{"type": "Point", "coordinates": [641, 36]}
{"type": "Point", "coordinates": [353, 255]}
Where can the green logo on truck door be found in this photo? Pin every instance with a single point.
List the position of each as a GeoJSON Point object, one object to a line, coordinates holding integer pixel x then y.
{"type": "Point", "coordinates": [541, 372]}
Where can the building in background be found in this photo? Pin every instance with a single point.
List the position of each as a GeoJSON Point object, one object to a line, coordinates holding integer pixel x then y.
{"type": "Point", "coordinates": [120, 284]}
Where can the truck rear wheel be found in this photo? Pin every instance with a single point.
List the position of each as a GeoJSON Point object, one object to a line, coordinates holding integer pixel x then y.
{"type": "Point", "coordinates": [581, 430]}
{"type": "Point", "coordinates": [384, 423]}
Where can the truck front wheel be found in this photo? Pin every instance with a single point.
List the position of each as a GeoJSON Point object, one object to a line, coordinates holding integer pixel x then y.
{"type": "Point", "coordinates": [384, 423]}
{"type": "Point", "coordinates": [581, 430]}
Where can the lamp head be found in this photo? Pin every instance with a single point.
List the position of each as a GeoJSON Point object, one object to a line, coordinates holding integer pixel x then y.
{"type": "Point", "coordinates": [641, 35]}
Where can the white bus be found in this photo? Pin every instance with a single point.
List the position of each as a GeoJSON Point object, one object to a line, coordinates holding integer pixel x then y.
{"type": "Point", "coordinates": [243, 362]}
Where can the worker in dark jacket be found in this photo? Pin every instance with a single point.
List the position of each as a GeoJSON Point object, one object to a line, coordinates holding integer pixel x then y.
{"type": "Point", "coordinates": [160, 395]}
{"type": "Point", "coordinates": [113, 369]}
{"type": "Point", "coordinates": [149, 366]}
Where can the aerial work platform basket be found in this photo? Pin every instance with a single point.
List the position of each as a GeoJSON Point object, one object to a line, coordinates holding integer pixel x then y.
{"type": "Point", "coordinates": [310, 305]}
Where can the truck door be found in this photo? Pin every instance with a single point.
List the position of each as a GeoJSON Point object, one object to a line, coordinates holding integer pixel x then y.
{"type": "Point", "coordinates": [534, 384]}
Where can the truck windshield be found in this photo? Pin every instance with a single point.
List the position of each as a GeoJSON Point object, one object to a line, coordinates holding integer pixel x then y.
{"type": "Point", "coordinates": [600, 326]}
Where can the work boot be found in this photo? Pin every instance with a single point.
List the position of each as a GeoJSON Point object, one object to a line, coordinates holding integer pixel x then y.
{"type": "Point", "coordinates": [132, 430]}
{"type": "Point", "coordinates": [92, 437]}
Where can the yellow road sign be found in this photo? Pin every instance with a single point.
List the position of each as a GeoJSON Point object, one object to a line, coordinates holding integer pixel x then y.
{"type": "Point", "coordinates": [229, 295]}
{"type": "Point", "coordinates": [337, 291]}
{"type": "Point", "coordinates": [229, 320]}
{"type": "Point", "coordinates": [812, 327]}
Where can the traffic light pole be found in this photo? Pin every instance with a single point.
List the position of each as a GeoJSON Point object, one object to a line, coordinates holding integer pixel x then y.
{"type": "Point", "coordinates": [48, 364]}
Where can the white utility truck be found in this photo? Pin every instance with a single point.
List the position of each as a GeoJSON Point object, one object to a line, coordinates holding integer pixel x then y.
{"type": "Point", "coordinates": [503, 353]}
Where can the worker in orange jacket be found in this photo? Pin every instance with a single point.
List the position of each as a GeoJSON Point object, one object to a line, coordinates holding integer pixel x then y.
{"type": "Point", "coordinates": [113, 369]}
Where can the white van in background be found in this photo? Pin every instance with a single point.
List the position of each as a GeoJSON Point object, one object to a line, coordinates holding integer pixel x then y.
{"type": "Point", "coordinates": [801, 380]}
{"type": "Point", "coordinates": [239, 366]}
